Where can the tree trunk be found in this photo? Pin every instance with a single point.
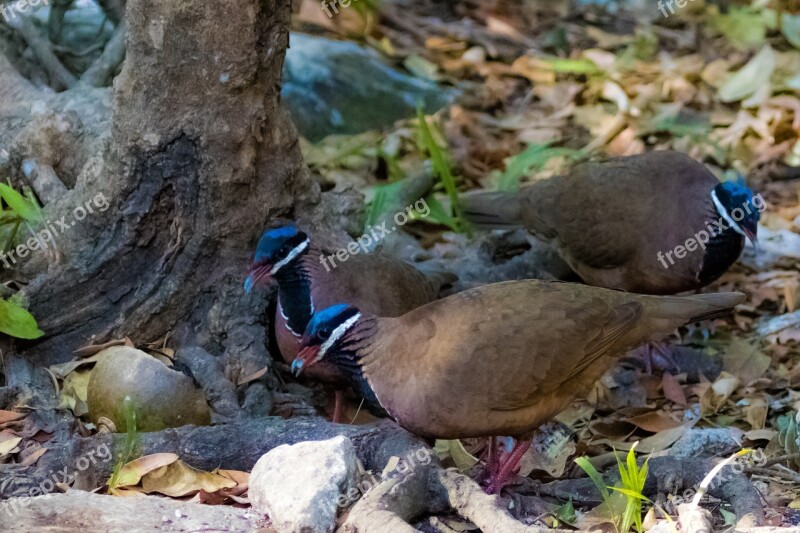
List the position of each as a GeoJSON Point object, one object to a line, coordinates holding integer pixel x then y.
{"type": "Point", "coordinates": [201, 156]}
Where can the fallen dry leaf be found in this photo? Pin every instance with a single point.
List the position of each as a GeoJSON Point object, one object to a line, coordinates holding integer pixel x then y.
{"type": "Point", "coordinates": [132, 472]}
{"type": "Point", "coordinates": [179, 479]}
{"type": "Point", "coordinates": [10, 416]}
{"type": "Point", "coordinates": [672, 389]}
{"type": "Point", "coordinates": [9, 446]}
{"type": "Point", "coordinates": [654, 421]}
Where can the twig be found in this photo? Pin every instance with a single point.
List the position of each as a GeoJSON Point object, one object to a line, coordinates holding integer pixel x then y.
{"type": "Point", "coordinates": [781, 459]}
{"type": "Point", "coordinates": [98, 73]}
{"type": "Point", "coordinates": [787, 474]}
{"type": "Point", "coordinates": [41, 48]}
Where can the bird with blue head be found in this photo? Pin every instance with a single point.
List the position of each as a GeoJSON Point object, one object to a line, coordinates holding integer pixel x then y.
{"type": "Point", "coordinates": [641, 223]}
{"type": "Point", "coordinates": [739, 208]}
{"type": "Point", "coordinates": [519, 352]}
{"type": "Point", "coordinates": [286, 255]}
{"type": "Point", "coordinates": [276, 249]}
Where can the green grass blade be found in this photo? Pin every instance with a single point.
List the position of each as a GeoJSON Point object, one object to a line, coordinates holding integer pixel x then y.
{"type": "Point", "coordinates": [630, 493]}
{"type": "Point", "coordinates": [130, 443]}
{"type": "Point", "coordinates": [22, 206]}
{"type": "Point", "coordinates": [590, 470]}
{"type": "Point", "coordinates": [442, 170]}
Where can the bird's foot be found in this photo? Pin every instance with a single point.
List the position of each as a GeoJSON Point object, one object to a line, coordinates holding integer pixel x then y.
{"type": "Point", "coordinates": [508, 467]}
{"type": "Point", "coordinates": [492, 460]}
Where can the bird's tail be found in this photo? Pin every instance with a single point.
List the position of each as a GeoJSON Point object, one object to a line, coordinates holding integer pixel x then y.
{"type": "Point", "coordinates": [492, 209]}
{"type": "Point", "coordinates": [679, 310]}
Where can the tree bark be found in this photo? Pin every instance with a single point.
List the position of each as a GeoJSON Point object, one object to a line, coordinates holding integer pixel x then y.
{"type": "Point", "coordinates": [201, 156]}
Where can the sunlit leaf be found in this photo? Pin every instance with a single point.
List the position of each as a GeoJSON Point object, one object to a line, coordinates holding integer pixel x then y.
{"type": "Point", "coordinates": [533, 158]}
{"type": "Point", "coordinates": [755, 74]}
{"type": "Point", "coordinates": [132, 472]}
{"type": "Point", "coordinates": [179, 479]}
{"type": "Point", "coordinates": [21, 205]}
{"type": "Point", "coordinates": [18, 322]}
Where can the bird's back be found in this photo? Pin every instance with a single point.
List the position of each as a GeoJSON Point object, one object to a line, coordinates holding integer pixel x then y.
{"type": "Point", "coordinates": [610, 220]}
{"type": "Point", "coordinates": [378, 284]}
{"type": "Point", "coordinates": [520, 351]}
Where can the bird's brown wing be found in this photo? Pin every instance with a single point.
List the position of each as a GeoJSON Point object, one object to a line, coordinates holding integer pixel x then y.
{"type": "Point", "coordinates": [603, 215]}
{"type": "Point", "coordinates": [376, 283]}
{"type": "Point", "coordinates": [507, 344]}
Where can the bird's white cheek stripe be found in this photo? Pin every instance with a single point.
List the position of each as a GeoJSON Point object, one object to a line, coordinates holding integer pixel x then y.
{"type": "Point", "coordinates": [285, 261]}
{"type": "Point", "coordinates": [724, 214]}
{"type": "Point", "coordinates": [337, 334]}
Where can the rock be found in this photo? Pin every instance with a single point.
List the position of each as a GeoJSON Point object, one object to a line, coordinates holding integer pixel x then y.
{"type": "Point", "coordinates": [708, 442]}
{"type": "Point", "coordinates": [499, 256]}
{"type": "Point", "coordinates": [341, 87]}
{"type": "Point", "coordinates": [162, 397]}
{"type": "Point", "coordinates": [301, 486]}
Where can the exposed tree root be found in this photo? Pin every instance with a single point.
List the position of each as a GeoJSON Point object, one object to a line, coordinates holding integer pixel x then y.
{"type": "Point", "coordinates": [84, 511]}
{"type": "Point", "coordinates": [400, 500]}
{"type": "Point", "coordinates": [40, 45]}
{"type": "Point", "coordinates": [235, 446]}
{"type": "Point", "coordinates": [98, 74]}
{"type": "Point", "coordinates": [674, 475]}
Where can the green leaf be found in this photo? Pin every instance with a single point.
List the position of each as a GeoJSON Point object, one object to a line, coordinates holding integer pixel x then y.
{"type": "Point", "coordinates": [744, 27]}
{"type": "Point", "coordinates": [125, 447]}
{"type": "Point", "coordinates": [382, 203]}
{"type": "Point", "coordinates": [566, 513]}
{"type": "Point", "coordinates": [422, 68]}
{"type": "Point", "coordinates": [573, 66]}
{"type": "Point", "coordinates": [439, 214]}
{"type": "Point", "coordinates": [749, 78]}
{"type": "Point", "coordinates": [730, 518]}
{"type": "Point", "coordinates": [18, 322]}
{"type": "Point", "coordinates": [532, 159]}
{"type": "Point", "coordinates": [590, 470]}
{"type": "Point", "coordinates": [630, 493]}
{"type": "Point", "coordinates": [790, 28]}
{"type": "Point", "coordinates": [21, 206]}
{"type": "Point", "coordinates": [442, 169]}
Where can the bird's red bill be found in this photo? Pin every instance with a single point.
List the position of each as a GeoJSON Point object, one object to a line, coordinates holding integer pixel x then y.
{"type": "Point", "coordinates": [304, 358]}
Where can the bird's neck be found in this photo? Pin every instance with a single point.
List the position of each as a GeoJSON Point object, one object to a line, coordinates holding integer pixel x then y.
{"type": "Point", "coordinates": [359, 343]}
{"type": "Point", "coordinates": [295, 299]}
{"type": "Point", "coordinates": [722, 250]}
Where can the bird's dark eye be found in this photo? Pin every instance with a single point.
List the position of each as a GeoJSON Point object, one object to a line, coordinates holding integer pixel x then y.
{"type": "Point", "coordinates": [324, 332]}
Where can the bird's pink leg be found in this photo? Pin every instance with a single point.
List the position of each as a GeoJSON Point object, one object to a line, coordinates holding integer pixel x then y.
{"type": "Point", "coordinates": [338, 399]}
{"type": "Point", "coordinates": [492, 459]}
{"type": "Point", "coordinates": [509, 466]}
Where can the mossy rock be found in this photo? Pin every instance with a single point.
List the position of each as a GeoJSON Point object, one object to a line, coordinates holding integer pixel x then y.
{"type": "Point", "coordinates": [162, 397]}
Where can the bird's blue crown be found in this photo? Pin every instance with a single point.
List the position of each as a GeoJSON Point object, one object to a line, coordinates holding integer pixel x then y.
{"type": "Point", "coordinates": [732, 194]}
{"type": "Point", "coordinates": [325, 321]}
{"type": "Point", "coordinates": [278, 242]}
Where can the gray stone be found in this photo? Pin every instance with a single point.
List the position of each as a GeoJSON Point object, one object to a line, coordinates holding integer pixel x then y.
{"type": "Point", "coordinates": [341, 87]}
{"type": "Point", "coordinates": [708, 442]}
{"type": "Point", "coordinates": [302, 486]}
{"type": "Point", "coordinates": [162, 397]}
